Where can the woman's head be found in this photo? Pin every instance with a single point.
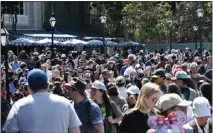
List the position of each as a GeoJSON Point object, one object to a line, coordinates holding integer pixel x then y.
{"type": "Point", "coordinates": [97, 90]}
{"type": "Point", "coordinates": [112, 91]}
{"type": "Point", "coordinates": [148, 97]}
{"type": "Point", "coordinates": [173, 88]}
{"type": "Point", "coordinates": [168, 80]}
{"type": "Point", "coordinates": [133, 74]}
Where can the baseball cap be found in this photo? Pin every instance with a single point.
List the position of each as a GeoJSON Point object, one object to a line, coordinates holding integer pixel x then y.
{"type": "Point", "coordinates": [120, 80]}
{"type": "Point", "coordinates": [99, 85]}
{"type": "Point", "coordinates": [37, 77]}
{"type": "Point", "coordinates": [193, 65]}
{"type": "Point", "coordinates": [181, 75]}
{"type": "Point", "coordinates": [126, 61]}
{"type": "Point", "coordinates": [167, 101]}
{"type": "Point", "coordinates": [133, 90]}
{"type": "Point", "coordinates": [158, 73]}
{"type": "Point", "coordinates": [201, 107]}
{"type": "Point", "coordinates": [176, 70]}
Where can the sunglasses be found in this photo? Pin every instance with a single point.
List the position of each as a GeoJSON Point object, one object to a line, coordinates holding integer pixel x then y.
{"type": "Point", "coordinates": [168, 79]}
{"type": "Point", "coordinates": [154, 100]}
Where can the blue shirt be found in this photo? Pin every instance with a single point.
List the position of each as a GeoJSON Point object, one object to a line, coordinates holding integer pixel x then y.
{"type": "Point", "coordinates": [88, 120]}
{"type": "Point", "coordinates": [123, 69]}
{"type": "Point", "coordinates": [185, 92]}
{"type": "Point", "coordinates": [163, 89]}
{"type": "Point", "coordinates": [15, 66]}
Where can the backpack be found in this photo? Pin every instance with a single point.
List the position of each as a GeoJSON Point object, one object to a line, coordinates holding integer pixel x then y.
{"type": "Point", "coordinates": [88, 104]}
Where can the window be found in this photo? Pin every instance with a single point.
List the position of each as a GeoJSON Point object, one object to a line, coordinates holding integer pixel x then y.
{"type": "Point", "coordinates": [9, 7]}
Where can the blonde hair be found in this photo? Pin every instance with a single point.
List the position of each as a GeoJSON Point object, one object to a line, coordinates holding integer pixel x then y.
{"type": "Point", "coordinates": [147, 90]}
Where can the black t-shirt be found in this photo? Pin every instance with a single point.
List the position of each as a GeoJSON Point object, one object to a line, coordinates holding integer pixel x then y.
{"type": "Point", "coordinates": [134, 122]}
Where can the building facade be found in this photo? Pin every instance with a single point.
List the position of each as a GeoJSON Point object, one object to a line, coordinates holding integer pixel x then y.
{"type": "Point", "coordinates": [35, 15]}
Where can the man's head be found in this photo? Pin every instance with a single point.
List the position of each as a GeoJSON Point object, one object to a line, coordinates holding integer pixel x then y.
{"type": "Point", "coordinates": [120, 81]}
{"type": "Point", "coordinates": [131, 57]}
{"type": "Point", "coordinates": [201, 109]}
{"type": "Point", "coordinates": [171, 102]}
{"type": "Point", "coordinates": [181, 78]}
{"type": "Point", "coordinates": [106, 74]}
{"type": "Point", "coordinates": [37, 80]}
{"type": "Point", "coordinates": [76, 88]}
{"type": "Point", "coordinates": [15, 58]}
{"type": "Point", "coordinates": [159, 76]}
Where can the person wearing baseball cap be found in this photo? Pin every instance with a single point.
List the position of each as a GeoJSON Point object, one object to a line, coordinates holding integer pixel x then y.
{"type": "Point", "coordinates": [159, 77]}
{"type": "Point", "coordinates": [107, 106]}
{"type": "Point", "coordinates": [88, 112]}
{"type": "Point", "coordinates": [126, 65]}
{"type": "Point", "coordinates": [194, 73]}
{"type": "Point", "coordinates": [132, 95]}
{"type": "Point", "coordinates": [182, 79]}
{"type": "Point", "coordinates": [202, 122]}
{"type": "Point", "coordinates": [120, 83]}
{"type": "Point", "coordinates": [173, 102]}
{"type": "Point", "coordinates": [23, 116]}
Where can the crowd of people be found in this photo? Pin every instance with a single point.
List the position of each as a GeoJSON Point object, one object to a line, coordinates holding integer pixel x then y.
{"type": "Point", "coordinates": [81, 92]}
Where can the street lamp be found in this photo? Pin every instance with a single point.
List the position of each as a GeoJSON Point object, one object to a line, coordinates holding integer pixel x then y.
{"type": "Point", "coordinates": [4, 41]}
{"type": "Point", "coordinates": [170, 36]}
{"type": "Point", "coordinates": [103, 21]}
{"type": "Point", "coordinates": [195, 30]}
{"type": "Point", "coordinates": [200, 16]}
{"type": "Point", "coordinates": [52, 23]}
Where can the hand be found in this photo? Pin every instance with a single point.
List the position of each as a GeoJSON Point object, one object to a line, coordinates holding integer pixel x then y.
{"type": "Point", "coordinates": [110, 120]}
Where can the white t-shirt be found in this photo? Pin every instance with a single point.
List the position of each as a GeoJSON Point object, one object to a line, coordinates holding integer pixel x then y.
{"type": "Point", "coordinates": [122, 92]}
{"type": "Point", "coordinates": [42, 113]}
{"type": "Point", "coordinates": [128, 71]}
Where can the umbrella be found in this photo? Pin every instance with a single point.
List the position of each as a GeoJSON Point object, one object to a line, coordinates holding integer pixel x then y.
{"type": "Point", "coordinates": [47, 41]}
{"type": "Point", "coordinates": [74, 42]}
{"type": "Point", "coordinates": [110, 43]}
{"type": "Point", "coordinates": [21, 42]}
{"type": "Point", "coordinates": [95, 43]}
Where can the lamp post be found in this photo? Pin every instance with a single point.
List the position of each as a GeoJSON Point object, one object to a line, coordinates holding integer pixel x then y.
{"type": "Point", "coordinates": [103, 21]}
{"type": "Point", "coordinates": [4, 41]}
{"type": "Point", "coordinates": [195, 30]}
{"type": "Point", "coordinates": [170, 34]}
{"type": "Point", "coordinates": [52, 23]}
{"type": "Point", "coordinates": [200, 16]}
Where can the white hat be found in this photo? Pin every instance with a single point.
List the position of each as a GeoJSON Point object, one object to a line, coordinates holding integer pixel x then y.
{"type": "Point", "coordinates": [98, 85]}
{"type": "Point", "coordinates": [201, 107]}
{"type": "Point", "coordinates": [63, 56]}
{"type": "Point", "coordinates": [133, 90]}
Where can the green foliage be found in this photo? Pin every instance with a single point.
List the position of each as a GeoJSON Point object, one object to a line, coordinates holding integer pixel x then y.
{"type": "Point", "coordinates": [112, 10]}
{"type": "Point", "coordinates": [150, 20]}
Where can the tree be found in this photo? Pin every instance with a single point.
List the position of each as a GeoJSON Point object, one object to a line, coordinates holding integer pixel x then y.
{"type": "Point", "coordinates": [112, 10]}
{"type": "Point", "coordinates": [148, 20]}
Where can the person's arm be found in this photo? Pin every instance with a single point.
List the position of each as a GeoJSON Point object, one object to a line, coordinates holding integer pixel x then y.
{"type": "Point", "coordinates": [11, 124]}
{"type": "Point", "coordinates": [74, 121]}
{"type": "Point", "coordinates": [74, 130]}
{"type": "Point", "coordinates": [99, 128]}
{"type": "Point", "coordinates": [117, 112]}
{"type": "Point", "coordinates": [96, 118]}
